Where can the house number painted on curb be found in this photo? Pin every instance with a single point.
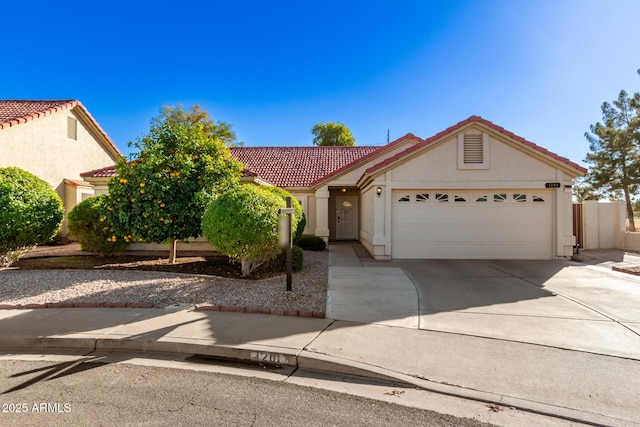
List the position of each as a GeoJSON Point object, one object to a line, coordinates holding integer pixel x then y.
{"type": "Point", "coordinates": [259, 356]}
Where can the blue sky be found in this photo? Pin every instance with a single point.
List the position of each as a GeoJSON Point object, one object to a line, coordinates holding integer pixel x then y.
{"type": "Point", "coordinates": [541, 69]}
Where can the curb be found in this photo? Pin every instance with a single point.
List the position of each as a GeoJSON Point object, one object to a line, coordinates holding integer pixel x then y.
{"type": "Point", "coordinates": [254, 354]}
{"type": "Point", "coordinates": [316, 314]}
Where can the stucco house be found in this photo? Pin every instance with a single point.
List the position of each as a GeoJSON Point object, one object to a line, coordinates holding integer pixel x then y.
{"type": "Point", "coordinates": [56, 141]}
{"type": "Point", "coordinates": [474, 190]}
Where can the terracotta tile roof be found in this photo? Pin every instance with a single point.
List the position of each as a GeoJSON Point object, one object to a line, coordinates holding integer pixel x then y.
{"type": "Point", "coordinates": [298, 166]}
{"type": "Point", "coordinates": [17, 112]}
{"type": "Point", "coordinates": [106, 172]}
{"type": "Point", "coordinates": [110, 171]}
{"type": "Point", "coordinates": [308, 166]}
{"type": "Point", "coordinates": [472, 119]}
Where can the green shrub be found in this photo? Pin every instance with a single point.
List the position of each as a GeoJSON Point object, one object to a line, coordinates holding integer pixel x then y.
{"type": "Point", "coordinates": [30, 213]}
{"type": "Point", "coordinates": [243, 224]}
{"type": "Point", "coordinates": [87, 223]}
{"type": "Point", "coordinates": [279, 263]}
{"type": "Point", "coordinates": [298, 214]}
{"type": "Point", "coordinates": [301, 226]}
{"type": "Point", "coordinates": [312, 243]}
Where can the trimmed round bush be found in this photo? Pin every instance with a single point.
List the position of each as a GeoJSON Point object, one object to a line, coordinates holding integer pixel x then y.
{"type": "Point", "coordinates": [30, 213]}
{"type": "Point", "coordinates": [243, 224]}
{"type": "Point", "coordinates": [298, 215]}
{"type": "Point", "coordinates": [311, 243]}
{"type": "Point", "coordinates": [301, 226]}
{"type": "Point", "coordinates": [87, 223]}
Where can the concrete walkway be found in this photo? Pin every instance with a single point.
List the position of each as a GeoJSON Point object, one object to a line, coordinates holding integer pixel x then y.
{"type": "Point", "coordinates": [590, 387]}
{"type": "Point", "coordinates": [382, 295]}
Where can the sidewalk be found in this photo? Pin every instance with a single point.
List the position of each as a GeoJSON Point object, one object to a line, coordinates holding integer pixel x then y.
{"type": "Point", "coordinates": [570, 384]}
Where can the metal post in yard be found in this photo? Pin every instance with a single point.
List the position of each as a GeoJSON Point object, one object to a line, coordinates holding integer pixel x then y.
{"type": "Point", "coordinates": [288, 240]}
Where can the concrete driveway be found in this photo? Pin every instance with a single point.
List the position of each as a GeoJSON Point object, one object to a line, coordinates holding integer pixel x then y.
{"type": "Point", "coordinates": [553, 303]}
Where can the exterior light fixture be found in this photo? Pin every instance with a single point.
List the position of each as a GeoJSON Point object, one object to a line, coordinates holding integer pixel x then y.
{"type": "Point", "coordinates": [379, 191]}
{"type": "Point", "coordinates": [344, 190]}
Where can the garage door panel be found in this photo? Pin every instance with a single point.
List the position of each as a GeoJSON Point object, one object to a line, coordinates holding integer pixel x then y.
{"type": "Point", "coordinates": [507, 229]}
{"type": "Point", "coordinates": [416, 233]}
{"type": "Point", "coordinates": [484, 250]}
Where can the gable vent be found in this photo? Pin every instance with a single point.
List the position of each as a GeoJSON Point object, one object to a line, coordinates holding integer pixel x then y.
{"type": "Point", "coordinates": [473, 149]}
{"type": "Point", "coordinates": [72, 128]}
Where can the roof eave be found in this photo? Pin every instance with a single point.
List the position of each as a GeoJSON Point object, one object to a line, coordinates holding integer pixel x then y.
{"type": "Point", "coordinates": [354, 164]}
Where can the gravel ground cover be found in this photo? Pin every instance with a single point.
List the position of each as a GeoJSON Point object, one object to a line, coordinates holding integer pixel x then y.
{"type": "Point", "coordinates": [25, 286]}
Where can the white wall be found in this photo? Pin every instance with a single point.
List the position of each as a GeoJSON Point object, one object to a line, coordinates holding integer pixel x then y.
{"type": "Point", "coordinates": [603, 224]}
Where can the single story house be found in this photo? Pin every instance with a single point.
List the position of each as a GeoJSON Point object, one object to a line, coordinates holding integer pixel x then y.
{"type": "Point", "coordinates": [56, 141]}
{"type": "Point", "coordinates": [474, 190]}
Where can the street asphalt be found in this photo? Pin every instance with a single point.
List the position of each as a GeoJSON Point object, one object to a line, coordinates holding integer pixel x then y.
{"type": "Point", "coordinates": [559, 338]}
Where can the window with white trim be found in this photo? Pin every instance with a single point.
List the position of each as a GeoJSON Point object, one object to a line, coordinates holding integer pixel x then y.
{"type": "Point", "coordinates": [442, 197]}
{"type": "Point", "coordinates": [405, 199]}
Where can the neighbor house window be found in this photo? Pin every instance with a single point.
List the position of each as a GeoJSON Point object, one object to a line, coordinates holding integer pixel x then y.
{"type": "Point", "coordinates": [72, 128]}
{"type": "Point", "coordinates": [473, 150]}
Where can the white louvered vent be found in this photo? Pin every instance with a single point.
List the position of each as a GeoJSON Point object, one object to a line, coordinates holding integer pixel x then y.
{"type": "Point", "coordinates": [473, 149]}
{"type": "Point", "coordinates": [72, 128]}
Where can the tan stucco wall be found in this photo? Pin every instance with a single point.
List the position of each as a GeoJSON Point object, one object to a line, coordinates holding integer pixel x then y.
{"type": "Point", "coordinates": [509, 167]}
{"type": "Point", "coordinates": [506, 165]}
{"type": "Point", "coordinates": [306, 199]}
{"type": "Point", "coordinates": [41, 147]}
{"type": "Point", "coordinates": [630, 241]}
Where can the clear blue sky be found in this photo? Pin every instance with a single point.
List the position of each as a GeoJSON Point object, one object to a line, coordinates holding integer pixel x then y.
{"type": "Point", "coordinates": [273, 69]}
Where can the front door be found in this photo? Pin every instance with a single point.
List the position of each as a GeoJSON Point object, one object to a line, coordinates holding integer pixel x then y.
{"type": "Point", "coordinates": [347, 218]}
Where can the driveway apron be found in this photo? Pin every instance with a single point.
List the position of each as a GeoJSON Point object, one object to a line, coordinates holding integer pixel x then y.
{"type": "Point", "coordinates": [369, 294]}
{"type": "Point", "coordinates": [553, 303]}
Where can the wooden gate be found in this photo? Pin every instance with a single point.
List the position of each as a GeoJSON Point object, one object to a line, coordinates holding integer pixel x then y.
{"type": "Point", "coordinates": [577, 225]}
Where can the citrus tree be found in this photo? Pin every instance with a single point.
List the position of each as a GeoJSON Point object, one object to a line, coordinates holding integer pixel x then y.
{"type": "Point", "coordinates": [161, 194]}
{"type": "Point", "coordinates": [30, 213]}
{"type": "Point", "coordinates": [86, 223]}
{"type": "Point", "coordinates": [243, 224]}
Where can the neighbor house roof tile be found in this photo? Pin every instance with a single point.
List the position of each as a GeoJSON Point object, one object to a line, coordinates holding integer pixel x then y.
{"type": "Point", "coordinates": [106, 172]}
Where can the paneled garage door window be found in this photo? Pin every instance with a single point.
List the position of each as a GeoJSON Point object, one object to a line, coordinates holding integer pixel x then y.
{"type": "Point", "coordinates": [423, 198]}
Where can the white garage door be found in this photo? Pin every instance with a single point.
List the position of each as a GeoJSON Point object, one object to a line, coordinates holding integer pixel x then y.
{"type": "Point", "coordinates": [491, 224]}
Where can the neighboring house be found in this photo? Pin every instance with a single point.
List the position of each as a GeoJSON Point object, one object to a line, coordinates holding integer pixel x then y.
{"type": "Point", "coordinates": [56, 141]}
{"type": "Point", "coordinates": [474, 190]}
